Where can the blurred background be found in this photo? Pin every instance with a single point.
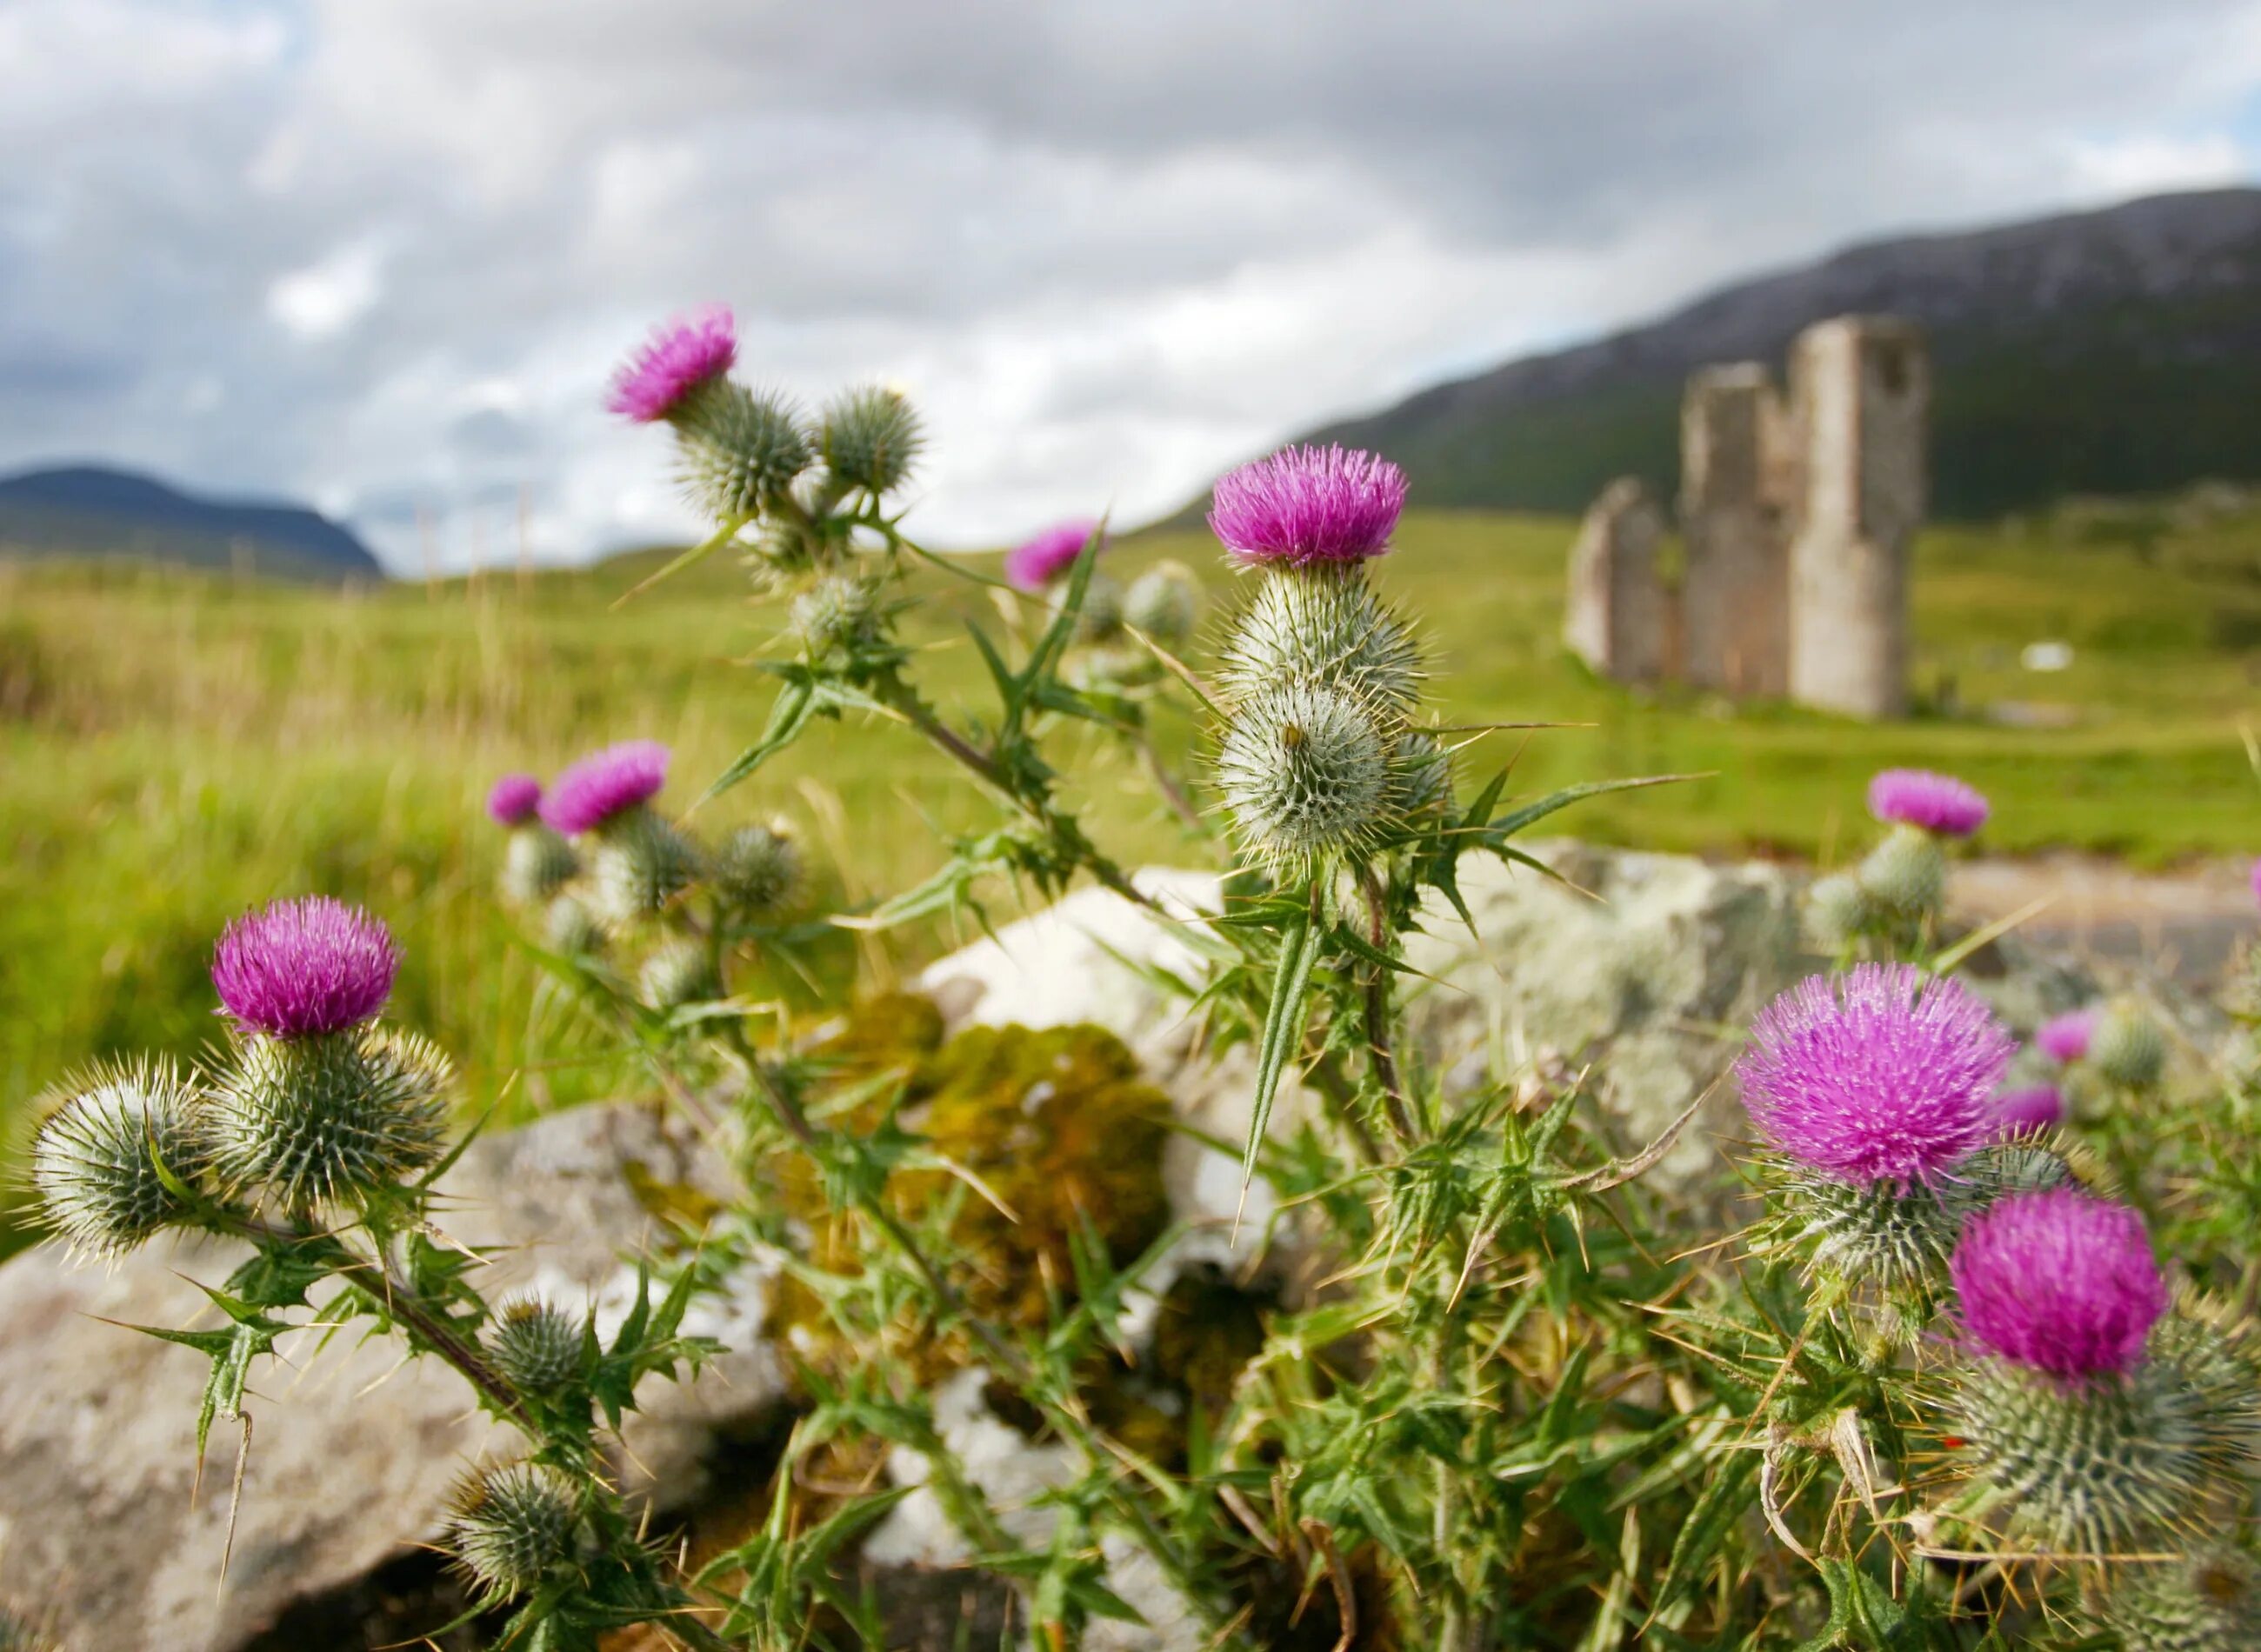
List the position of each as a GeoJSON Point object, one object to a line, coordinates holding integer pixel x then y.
{"type": "Point", "coordinates": [311, 519]}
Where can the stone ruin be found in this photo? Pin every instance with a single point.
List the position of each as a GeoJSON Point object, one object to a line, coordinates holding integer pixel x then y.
{"type": "Point", "coordinates": [1797, 512]}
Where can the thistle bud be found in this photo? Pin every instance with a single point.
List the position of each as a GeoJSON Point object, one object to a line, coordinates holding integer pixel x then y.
{"type": "Point", "coordinates": [871, 438]}
{"type": "Point", "coordinates": [537, 1345]}
{"type": "Point", "coordinates": [758, 867]}
{"type": "Point", "coordinates": [1421, 778]}
{"type": "Point", "coordinates": [679, 971]}
{"type": "Point", "coordinates": [335, 1119]}
{"type": "Point", "coordinates": [1304, 769]}
{"type": "Point", "coordinates": [2208, 1600]}
{"type": "Point", "coordinates": [1906, 874]}
{"type": "Point", "coordinates": [536, 864]}
{"type": "Point", "coordinates": [839, 616]}
{"type": "Point", "coordinates": [507, 1526]}
{"type": "Point", "coordinates": [572, 929]}
{"type": "Point", "coordinates": [1323, 625]}
{"type": "Point", "coordinates": [2128, 1049]}
{"type": "Point", "coordinates": [96, 1159]}
{"type": "Point", "coordinates": [1165, 602]}
{"type": "Point", "coordinates": [1838, 912]}
{"type": "Point", "coordinates": [637, 865]}
{"type": "Point", "coordinates": [1100, 617]}
{"type": "Point", "coordinates": [740, 451]}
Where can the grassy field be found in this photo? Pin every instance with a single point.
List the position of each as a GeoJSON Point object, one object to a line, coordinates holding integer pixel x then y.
{"type": "Point", "coordinates": [176, 748]}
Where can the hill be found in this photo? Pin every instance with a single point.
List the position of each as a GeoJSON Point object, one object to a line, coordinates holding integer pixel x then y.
{"type": "Point", "coordinates": [2111, 352]}
{"type": "Point", "coordinates": [88, 510]}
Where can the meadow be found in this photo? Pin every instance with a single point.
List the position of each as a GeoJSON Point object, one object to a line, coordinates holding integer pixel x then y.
{"type": "Point", "coordinates": [177, 747]}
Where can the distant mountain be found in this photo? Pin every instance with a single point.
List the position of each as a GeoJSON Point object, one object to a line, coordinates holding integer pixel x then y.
{"type": "Point", "coordinates": [89, 511]}
{"type": "Point", "coordinates": [2110, 352]}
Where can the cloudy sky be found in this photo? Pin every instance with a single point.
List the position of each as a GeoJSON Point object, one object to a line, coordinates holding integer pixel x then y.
{"type": "Point", "coordinates": [381, 253]}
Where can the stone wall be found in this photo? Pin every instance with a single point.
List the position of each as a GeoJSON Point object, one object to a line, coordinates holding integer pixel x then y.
{"type": "Point", "coordinates": [1615, 619]}
{"type": "Point", "coordinates": [1734, 594]}
{"type": "Point", "coordinates": [1798, 513]}
{"type": "Point", "coordinates": [1861, 387]}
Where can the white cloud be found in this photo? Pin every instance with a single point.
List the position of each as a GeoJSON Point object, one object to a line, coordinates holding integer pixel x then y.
{"type": "Point", "coordinates": [2142, 163]}
{"type": "Point", "coordinates": [326, 298]}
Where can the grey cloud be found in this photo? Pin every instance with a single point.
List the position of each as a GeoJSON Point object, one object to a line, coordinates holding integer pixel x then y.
{"type": "Point", "coordinates": [1112, 245]}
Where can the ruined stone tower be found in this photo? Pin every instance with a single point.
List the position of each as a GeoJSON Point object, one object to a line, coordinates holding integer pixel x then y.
{"type": "Point", "coordinates": [1735, 592]}
{"type": "Point", "coordinates": [1860, 404]}
{"type": "Point", "coordinates": [1616, 617]}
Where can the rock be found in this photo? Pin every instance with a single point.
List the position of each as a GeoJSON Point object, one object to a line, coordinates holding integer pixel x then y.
{"type": "Point", "coordinates": [1647, 966]}
{"type": "Point", "coordinates": [101, 1520]}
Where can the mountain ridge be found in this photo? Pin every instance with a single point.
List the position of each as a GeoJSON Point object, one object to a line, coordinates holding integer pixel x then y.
{"type": "Point", "coordinates": [96, 510]}
{"type": "Point", "coordinates": [2113, 350]}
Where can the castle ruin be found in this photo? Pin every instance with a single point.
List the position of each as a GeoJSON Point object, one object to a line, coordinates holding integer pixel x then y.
{"type": "Point", "coordinates": [1796, 512]}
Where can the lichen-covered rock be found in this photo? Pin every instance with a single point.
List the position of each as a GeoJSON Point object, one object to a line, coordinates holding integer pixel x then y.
{"type": "Point", "coordinates": [102, 1522]}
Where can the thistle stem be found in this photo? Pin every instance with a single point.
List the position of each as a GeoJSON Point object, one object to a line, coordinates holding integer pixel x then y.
{"type": "Point", "coordinates": [1378, 1037]}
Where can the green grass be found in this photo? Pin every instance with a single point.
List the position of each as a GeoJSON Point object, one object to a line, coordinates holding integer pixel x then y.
{"type": "Point", "coordinates": [177, 747]}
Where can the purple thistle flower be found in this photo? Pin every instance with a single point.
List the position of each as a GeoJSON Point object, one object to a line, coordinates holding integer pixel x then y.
{"type": "Point", "coordinates": [1937, 802]}
{"type": "Point", "coordinates": [2028, 1112]}
{"type": "Point", "coordinates": [2063, 1282]}
{"type": "Point", "coordinates": [675, 361]}
{"type": "Point", "coordinates": [514, 799]}
{"type": "Point", "coordinates": [1309, 505]}
{"type": "Point", "coordinates": [294, 968]}
{"type": "Point", "coordinates": [1033, 566]}
{"type": "Point", "coordinates": [1878, 1075]}
{"type": "Point", "coordinates": [605, 784]}
{"type": "Point", "coordinates": [2065, 1038]}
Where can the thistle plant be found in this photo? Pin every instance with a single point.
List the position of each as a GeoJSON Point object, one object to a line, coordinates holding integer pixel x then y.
{"type": "Point", "coordinates": [1890, 902]}
{"type": "Point", "coordinates": [1455, 1376]}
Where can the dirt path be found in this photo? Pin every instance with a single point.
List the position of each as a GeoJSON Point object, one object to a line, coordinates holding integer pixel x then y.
{"type": "Point", "coordinates": [2189, 921]}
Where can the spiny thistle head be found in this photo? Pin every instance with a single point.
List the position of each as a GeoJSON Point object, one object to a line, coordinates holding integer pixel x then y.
{"type": "Point", "coordinates": [1838, 911]}
{"type": "Point", "coordinates": [536, 863]}
{"type": "Point", "coordinates": [739, 450]}
{"type": "Point", "coordinates": [2032, 1110]}
{"type": "Point", "coordinates": [94, 1158]}
{"type": "Point", "coordinates": [605, 784]}
{"type": "Point", "coordinates": [1035, 564]}
{"type": "Point", "coordinates": [1906, 874]}
{"type": "Point", "coordinates": [758, 866]}
{"type": "Point", "coordinates": [840, 615]}
{"type": "Point", "coordinates": [1877, 1075]}
{"type": "Point", "coordinates": [2208, 1600]}
{"type": "Point", "coordinates": [1327, 628]}
{"type": "Point", "coordinates": [637, 865]}
{"type": "Point", "coordinates": [2090, 1468]}
{"type": "Point", "coordinates": [871, 438]}
{"type": "Point", "coordinates": [678, 359]}
{"type": "Point", "coordinates": [1304, 769]}
{"type": "Point", "coordinates": [336, 1120]}
{"type": "Point", "coordinates": [507, 1525]}
{"type": "Point", "coordinates": [2059, 1281]}
{"type": "Point", "coordinates": [304, 968]}
{"type": "Point", "coordinates": [2128, 1049]}
{"type": "Point", "coordinates": [1303, 505]}
{"type": "Point", "coordinates": [2066, 1037]}
{"type": "Point", "coordinates": [537, 1345]}
{"type": "Point", "coordinates": [1165, 603]}
{"type": "Point", "coordinates": [1930, 802]}
{"type": "Point", "coordinates": [679, 971]}
{"type": "Point", "coordinates": [572, 929]}
{"type": "Point", "coordinates": [1896, 1238]}
{"type": "Point", "coordinates": [514, 799]}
